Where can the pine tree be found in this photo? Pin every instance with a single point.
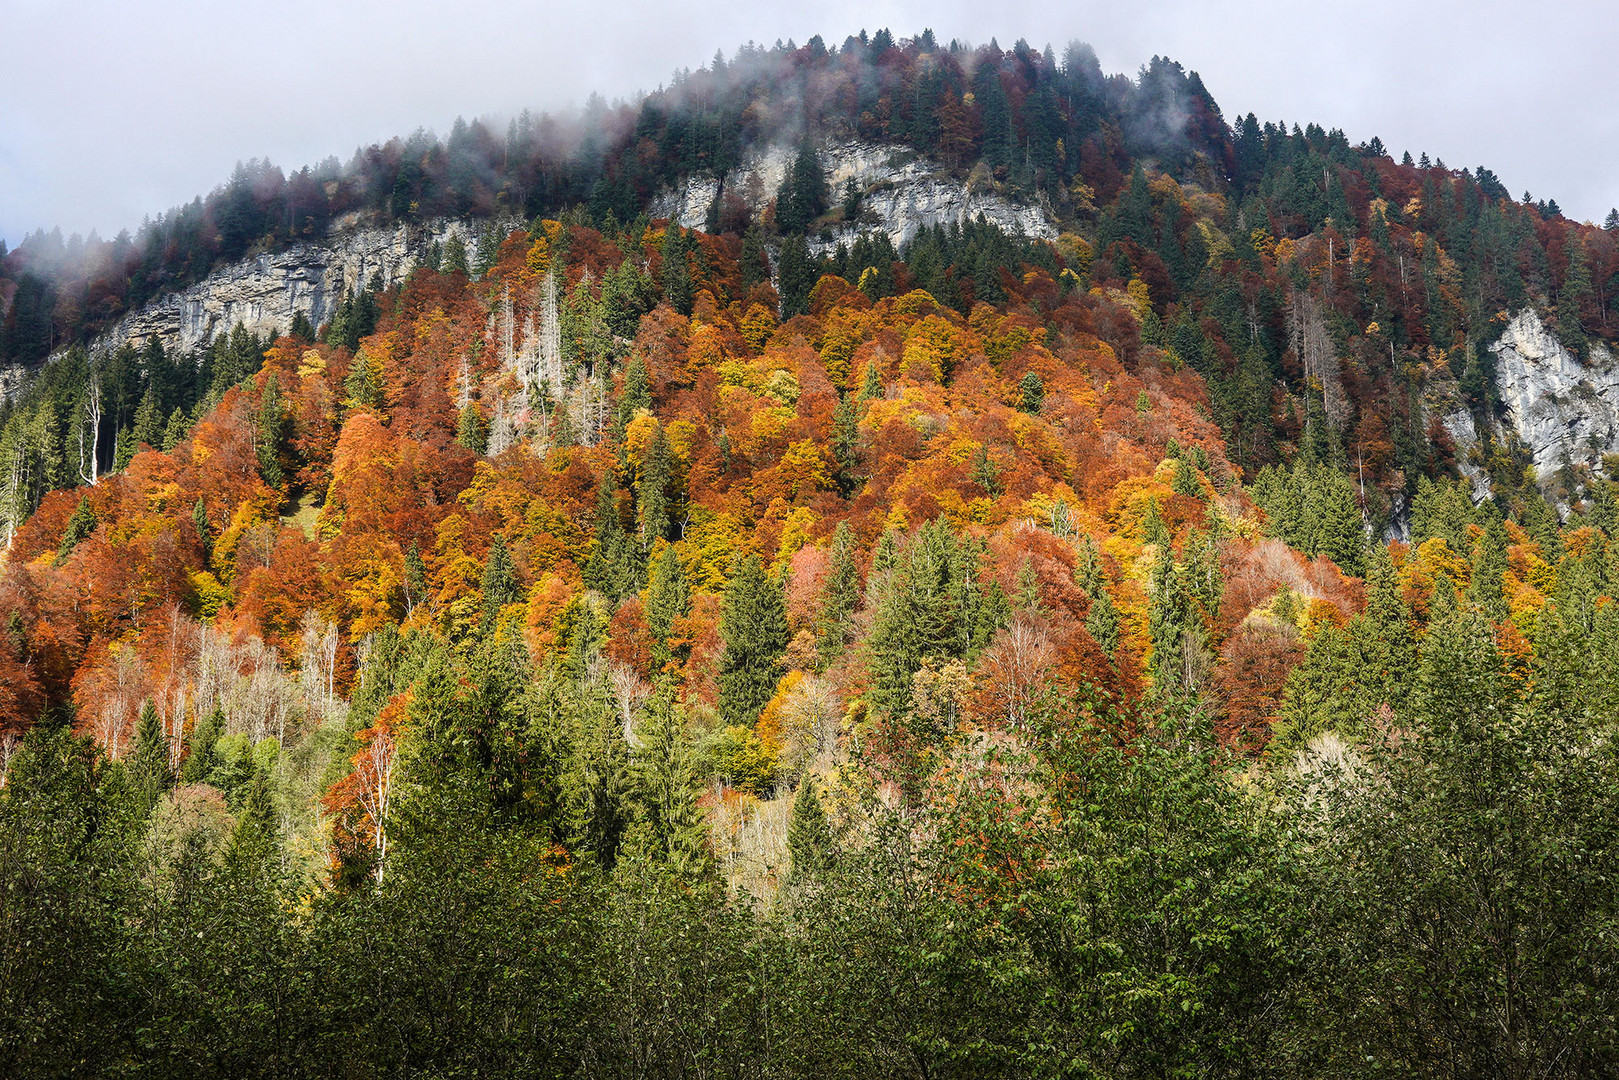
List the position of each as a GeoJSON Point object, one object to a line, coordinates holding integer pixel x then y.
{"type": "Point", "coordinates": [415, 578]}
{"type": "Point", "coordinates": [149, 773]}
{"type": "Point", "coordinates": [79, 528]}
{"type": "Point", "coordinates": [200, 759]}
{"type": "Point", "coordinates": [840, 595]}
{"type": "Point", "coordinates": [637, 396]}
{"type": "Point", "coordinates": [1032, 392]}
{"type": "Point", "coordinates": [845, 442]}
{"type": "Point", "coordinates": [809, 834]}
{"type": "Point", "coordinates": [454, 257]}
{"type": "Point", "coordinates": [797, 275]}
{"type": "Point", "coordinates": [1333, 520]}
{"type": "Point", "coordinates": [273, 427]}
{"type": "Point", "coordinates": [1088, 567]}
{"type": "Point", "coordinates": [500, 585]}
{"type": "Point", "coordinates": [1489, 564]}
{"type": "Point", "coordinates": [652, 491]}
{"type": "Point", "coordinates": [174, 431]}
{"type": "Point", "coordinates": [470, 430]}
{"type": "Point", "coordinates": [668, 599]}
{"type": "Point", "coordinates": [803, 194]}
{"type": "Point", "coordinates": [667, 825]}
{"type": "Point", "coordinates": [753, 625]}
{"type": "Point", "coordinates": [1102, 622]}
{"type": "Point", "coordinates": [871, 386]}
{"type": "Point", "coordinates": [678, 291]}
{"type": "Point", "coordinates": [1175, 628]}
{"type": "Point", "coordinates": [253, 843]}
{"type": "Point", "coordinates": [1186, 481]}
{"type": "Point", "coordinates": [612, 568]}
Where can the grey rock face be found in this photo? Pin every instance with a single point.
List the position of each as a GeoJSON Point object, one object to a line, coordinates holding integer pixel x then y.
{"type": "Point", "coordinates": [264, 292]}
{"type": "Point", "coordinates": [900, 193]}
{"type": "Point", "coordinates": [1562, 408]}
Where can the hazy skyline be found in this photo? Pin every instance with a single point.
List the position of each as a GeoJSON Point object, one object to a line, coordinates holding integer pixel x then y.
{"type": "Point", "coordinates": [111, 112]}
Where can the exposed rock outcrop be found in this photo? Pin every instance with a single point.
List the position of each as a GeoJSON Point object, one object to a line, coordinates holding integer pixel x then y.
{"type": "Point", "coordinates": [1563, 408]}
{"type": "Point", "coordinates": [901, 193]}
{"type": "Point", "coordinates": [264, 292]}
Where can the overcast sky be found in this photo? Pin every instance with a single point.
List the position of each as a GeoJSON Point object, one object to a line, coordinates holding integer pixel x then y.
{"type": "Point", "coordinates": [111, 110]}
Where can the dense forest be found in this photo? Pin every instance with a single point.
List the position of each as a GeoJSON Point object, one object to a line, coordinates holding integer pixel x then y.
{"type": "Point", "coordinates": [625, 650]}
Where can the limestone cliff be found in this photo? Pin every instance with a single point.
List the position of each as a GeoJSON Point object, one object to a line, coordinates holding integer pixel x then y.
{"type": "Point", "coordinates": [1564, 410]}
{"type": "Point", "coordinates": [264, 292]}
{"type": "Point", "coordinates": [901, 193]}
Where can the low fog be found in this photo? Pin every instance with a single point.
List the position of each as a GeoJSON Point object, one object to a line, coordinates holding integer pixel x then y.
{"type": "Point", "coordinates": [113, 111]}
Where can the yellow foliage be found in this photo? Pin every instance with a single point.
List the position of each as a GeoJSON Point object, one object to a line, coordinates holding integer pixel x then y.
{"type": "Point", "coordinates": [211, 594]}
{"type": "Point", "coordinates": [757, 326]}
{"type": "Point", "coordinates": [247, 515]}
{"type": "Point", "coordinates": [795, 533]}
{"type": "Point", "coordinates": [771, 718]}
{"type": "Point", "coordinates": [914, 304]}
{"type": "Point", "coordinates": [1140, 298]}
{"type": "Point", "coordinates": [681, 435]}
{"type": "Point", "coordinates": [935, 344]}
{"type": "Point", "coordinates": [837, 351]}
{"type": "Point", "coordinates": [539, 252]}
{"type": "Point", "coordinates": [804, 465]}
{"type": "Point", "coordinates": [311, 363]}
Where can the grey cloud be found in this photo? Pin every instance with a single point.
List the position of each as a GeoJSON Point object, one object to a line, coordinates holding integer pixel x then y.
{"type": "Point", "coordinates": [110, 111]}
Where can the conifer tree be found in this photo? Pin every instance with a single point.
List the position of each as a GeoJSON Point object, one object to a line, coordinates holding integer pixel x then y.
{"type": "Point", "coordinates": [454, 257]}
{"type": "Point", "coordinates": [470, 430]}
{"type": "Point", "coordinates": [273, 427]}
{"type": "Point", "coordinates": [845, 440]}
{"type": "Point", "coordinates": [796, 274]}
{"type": "Point", "coordinates": [1032, 393]}
{"type": "Point", "coordinates": [667, 826]}
{"type": "Point", "coordinates": [1102, 622]}
{"type": "Point", "coordinates": [840, 595]}
{"type": "Point", "coordinates": [871, 386]}
{"type": "Point", "coordinates": [652, 491]}
{"type": "Point", "coordinates": [1175, 628]}
{"type": "Point", "coordinates": [201, 760]}
{"type": "Point", "coordinates": [149, 772]}
{"type": "Point", "coordinates": [668, 599]}
{"type": "Point", "coordinates": [1489, 564]}
{"type": "Point", "coordinates": [254, 841]}
{"type": "Point", "coordinates": [79, 528]}
{"type": "Point", "coordinates": [637, 394]}
{"type": "Point", "coordinates": [415, 578]}
{"type": "Point", "coordinates": [500, 585]}
{"type": "Point", "coordinates": [809, 834]}
{"type": "Point", "coordinates": [1186, 480]}
{"type": "Point", "coordinates": [611, 568]}
{"type": "Point", "coordinates": [753, 625]}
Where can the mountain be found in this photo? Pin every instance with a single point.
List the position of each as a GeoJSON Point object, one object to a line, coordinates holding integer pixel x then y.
{"type": "Point", "coordinates": [887, 560]}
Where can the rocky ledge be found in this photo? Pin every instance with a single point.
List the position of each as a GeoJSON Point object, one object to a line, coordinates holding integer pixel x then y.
{"type": "Point", "coordinates": [901, 193]}
{"type": "Point", "coordinates": [264, 292]}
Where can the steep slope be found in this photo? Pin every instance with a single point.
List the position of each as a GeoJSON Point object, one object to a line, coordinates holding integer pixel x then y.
{"type": "Point", "coordinates": [264, 293]}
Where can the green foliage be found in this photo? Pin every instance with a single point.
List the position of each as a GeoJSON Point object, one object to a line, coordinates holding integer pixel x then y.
{"type": "Point", "coordinates": [470, 429]}
{"type": "Point", "coordinates": [149, 773]}
{"type": "Point", "coordinates": [79, 528]}
{"type": "Point", "coordinates": [667, 826]}
{"type": "Point", "coordinates": [809, 834]}
{"type": "Point", "coordinates": [753, 626]}
{"type": "Point", "coordinates": [1032, 393]}
{"type": "Point", "coordinates": [840, 596]}
{"type": "Point", "coordinates": [803, 194]}
{"type": "Point", "coordinates": [797, 276]}
{"type": "Point", "coordinates": [500, 586]}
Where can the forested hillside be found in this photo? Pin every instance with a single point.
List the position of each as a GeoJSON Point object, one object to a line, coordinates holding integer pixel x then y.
{"type": "Point", "coordinates": [622, 649]}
